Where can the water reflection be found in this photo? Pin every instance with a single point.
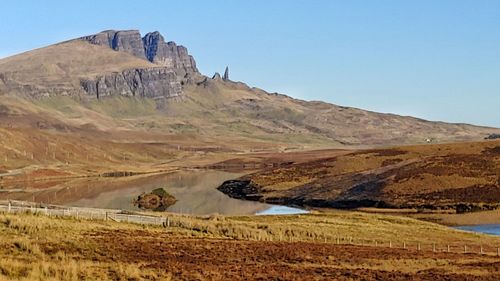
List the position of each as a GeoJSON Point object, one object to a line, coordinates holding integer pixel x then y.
{"type": "Point", "coordinates": [195, 191]}
{"type": "Point", "coordinates": [282, 210]}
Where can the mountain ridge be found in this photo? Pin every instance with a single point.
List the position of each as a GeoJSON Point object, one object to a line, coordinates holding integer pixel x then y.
{"type": "Point", "coordinates": [112, 66]}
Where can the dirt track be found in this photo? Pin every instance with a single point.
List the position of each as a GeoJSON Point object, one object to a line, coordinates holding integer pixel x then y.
{"type": "Point", "coordinates": [210, 259]}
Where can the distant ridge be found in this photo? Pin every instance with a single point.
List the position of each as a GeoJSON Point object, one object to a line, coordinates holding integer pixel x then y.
{"type": "Point", "coordinates": [157, 83]}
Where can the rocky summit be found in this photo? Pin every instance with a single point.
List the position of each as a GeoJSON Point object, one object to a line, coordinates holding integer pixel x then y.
{"type": "Point", "coordinates": [109, 63]}
{"type": "Point", "coordinates": [151, 47]}
{"type": "Point", "coordinates": [174, 66]}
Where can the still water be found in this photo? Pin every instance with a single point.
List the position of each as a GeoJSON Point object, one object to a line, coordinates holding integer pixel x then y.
{"type": "Point", "coordinates": [493, 229]}
{"type": "Point", "coordinates": [196, 192]}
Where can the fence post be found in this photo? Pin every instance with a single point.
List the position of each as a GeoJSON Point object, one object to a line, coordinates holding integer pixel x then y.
{"type": "Point", "coordinates": [434, 247]}
{"type": "Point", "coordinates": [10, 206]}
{"type": "Point", "coordinates": [106, 216]}
{"type": "Point", "coordinates": [390, 244]}
{"type": "Point", "coordinates": [404, 245]}
{"type": "Point", "coordinates": [481, 250]}
{"type": "Point", "coordinates": [465, 249]}
{"type": "Point", "coordinates": [418, 246]}
{"type": "Point", "coordinates": [448, 248]}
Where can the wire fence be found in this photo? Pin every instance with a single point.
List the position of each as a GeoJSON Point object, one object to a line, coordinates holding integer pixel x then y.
{"type": "Point", "coordinates": [83, 213]}
{"type": "Point", "coordinates": [14, 207]}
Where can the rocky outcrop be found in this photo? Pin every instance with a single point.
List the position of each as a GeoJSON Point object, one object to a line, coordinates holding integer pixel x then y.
{"type": "Point", "coordinates": [492, 137]}
{"type": "Point", "coordinates": [216, 76]}
{"type": "Point", "coordinates": [175, 66]}
{"type": "Point", "coordinates": [150, 82]}
{"type": "Point", "coordinates": [158, 200]}
{"type": "Point", "coordinates": [241, 189]}
{"type": "Point", "coordinates": [167, 54]}
{"type": "Point", "coordinates": [151, 47]}
{"type": "Point", "coordinates": [128, 41]}
{"type": "Point", "coordinates": [226, 74]}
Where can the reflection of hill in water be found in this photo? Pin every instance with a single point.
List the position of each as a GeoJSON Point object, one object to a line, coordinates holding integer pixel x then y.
{"type": "Point", "coordinates": [195, 191]}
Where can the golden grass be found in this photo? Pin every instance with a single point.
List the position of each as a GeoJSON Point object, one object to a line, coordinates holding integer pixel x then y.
{"type": "Point", "coordinates": [30, 245]}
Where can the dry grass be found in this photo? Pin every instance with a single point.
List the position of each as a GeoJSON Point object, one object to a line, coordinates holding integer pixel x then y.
{"type": "Point", "coordinates": [33, 247]}
{"type": "Point", "coordinates": [440, 176]}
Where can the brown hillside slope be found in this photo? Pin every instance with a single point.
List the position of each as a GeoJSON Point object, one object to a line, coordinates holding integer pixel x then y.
{"type": "Point", "coordinates": [223, 110]}
{"type": "Point", "coordinates": [60, 67]}
{"type": "Point", "coordinates": [463, 177]}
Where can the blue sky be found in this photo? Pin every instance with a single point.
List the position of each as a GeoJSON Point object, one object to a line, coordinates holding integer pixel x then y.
{"type": "Point", "coordinates": [438, 60]}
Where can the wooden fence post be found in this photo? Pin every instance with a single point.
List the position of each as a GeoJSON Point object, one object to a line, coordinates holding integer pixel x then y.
{"type": "Point", "coordinates": [418, 246]}
{"type": "Point", "coordinates": [10, 206]}
{"type": "Point", "coordinates": [481, 250]}
{"type": "Point", "coordinates": [404, 245]}
{"type": "Point", "coordinates": [465, 249]}
{"type": "Point", "coordinates": [434, 247]}
{"type": "Point", "coordinates": [448, 248]}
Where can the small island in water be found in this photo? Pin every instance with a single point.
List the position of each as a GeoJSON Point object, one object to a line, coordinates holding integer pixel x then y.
{"type": "Point", "coordinates": [158, 200]}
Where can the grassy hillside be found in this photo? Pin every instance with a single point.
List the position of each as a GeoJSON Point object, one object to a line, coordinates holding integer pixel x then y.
{"type": "Point", "coordinates": [460, 177]}
{"type": "Point", "coordinates": [63, 65]}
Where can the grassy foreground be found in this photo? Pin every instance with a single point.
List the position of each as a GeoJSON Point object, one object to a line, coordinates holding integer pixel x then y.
{"type": "Point", "coordinates": [36, 247]}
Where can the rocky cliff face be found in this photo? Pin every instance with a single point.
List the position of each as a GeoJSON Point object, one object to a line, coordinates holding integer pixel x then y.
{"type": "Point", "coordinates": [149, 83]}
{"type": "Point", "coordinates": [167, 54]}
{"type": "Point", "coordinates": [175, 66]}
{"type": "Point", "coordinates": [151, 47]}
{"type": "Point", "coordinates": [129, 41]}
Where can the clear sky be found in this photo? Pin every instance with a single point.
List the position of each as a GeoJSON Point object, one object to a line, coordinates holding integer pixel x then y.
{"type": "Point", "coordinates": [435, 59]}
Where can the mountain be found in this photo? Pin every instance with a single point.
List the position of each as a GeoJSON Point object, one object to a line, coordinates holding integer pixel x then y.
{"type": "Point", "coordinates": [121, 88]}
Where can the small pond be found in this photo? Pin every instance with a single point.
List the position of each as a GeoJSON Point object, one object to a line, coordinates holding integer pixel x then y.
{"type": "Point", "coordinates": [195, 190]}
